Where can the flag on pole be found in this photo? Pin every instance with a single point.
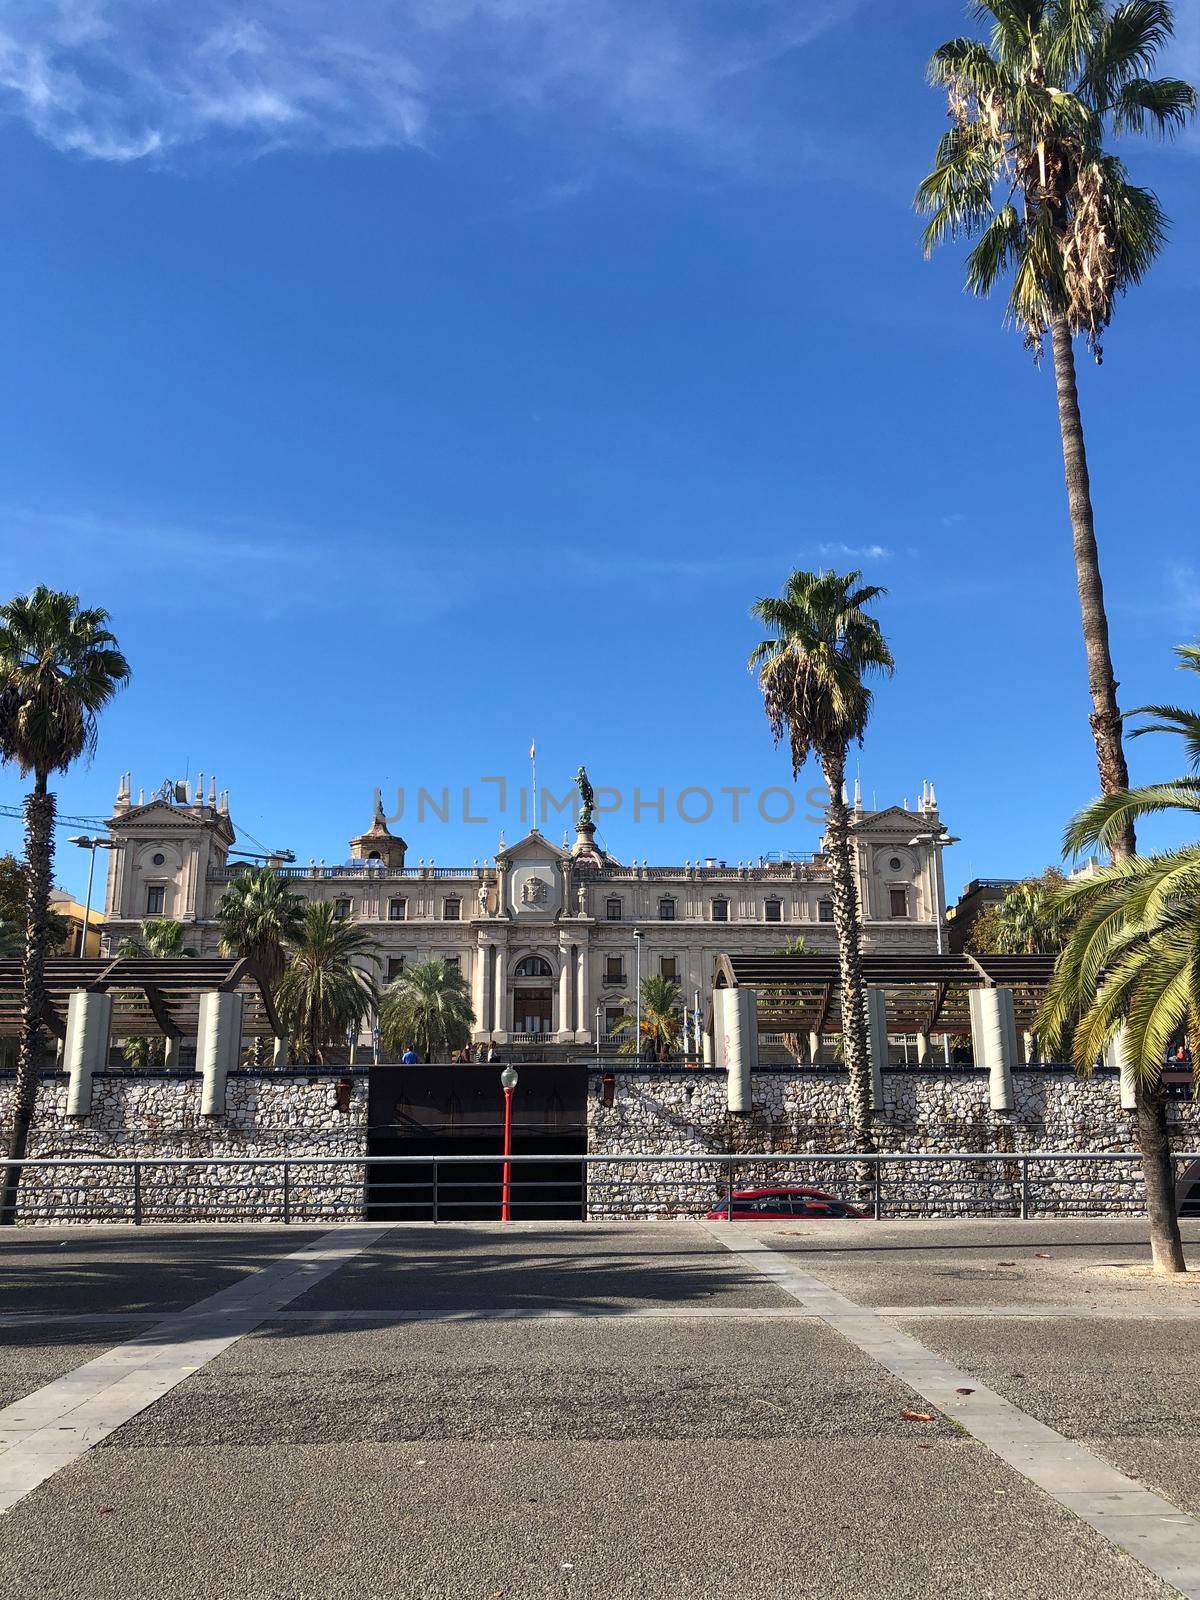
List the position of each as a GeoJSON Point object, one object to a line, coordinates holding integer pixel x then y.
{"type": "Point", "coordinates": [533, 749]}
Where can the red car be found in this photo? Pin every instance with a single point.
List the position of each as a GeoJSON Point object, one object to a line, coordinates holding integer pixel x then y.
{"type": "Point", "coordinates": [750, 1205]}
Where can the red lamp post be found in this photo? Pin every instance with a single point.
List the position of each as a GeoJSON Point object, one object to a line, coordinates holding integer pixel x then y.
{"type": "Point", "coordinates": [508, 1082]}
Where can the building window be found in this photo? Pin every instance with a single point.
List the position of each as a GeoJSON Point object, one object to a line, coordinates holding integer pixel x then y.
{"type": "Point", "coordinates": [666, 909]}
{"type": "Point", "coordinates": [397, 910]}
{"type": "Point", "coordinates": [395, 967]}
{"type": "Point", "coordinates": [668, 966]}
{"type": "Point", "coordinates": [613, 970]}
{"type": "Point", "coordinates": [612, 910]}
{"type": "Point", "coordinates": [451, 910]}
{"type": "Point", "coordinates": [899, 899]}
{"type": "Point", "coordinates": [341, 909]}
{"type": "Point", "coordinates": [156, 900]}
{"type": "Point", "coordinates": [612, 1018]}
{"type": "Point", "coordinates": [825, 910]}
{"type": "Point", "coordinates": [159, 859]}
{"type": "Point", "coordinates": [453, 961]}
{"type": "Point", "coordinates": [774, 911]}
{"type": "Point", "coordinates": [720, 910]}
{"type": "Point", "coordinates": [533, 967]}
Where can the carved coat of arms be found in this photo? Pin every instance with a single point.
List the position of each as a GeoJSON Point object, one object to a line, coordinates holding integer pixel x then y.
{"type": "Point", "coordinates": [535, 892]}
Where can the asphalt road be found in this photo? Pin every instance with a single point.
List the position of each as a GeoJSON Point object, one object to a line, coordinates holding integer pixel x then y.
{"type": "Point", "coordinates": [600, 1410]}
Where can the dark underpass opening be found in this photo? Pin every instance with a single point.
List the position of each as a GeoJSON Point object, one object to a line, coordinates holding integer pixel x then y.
{"type": "Point", "coordinates": [440, 1110]}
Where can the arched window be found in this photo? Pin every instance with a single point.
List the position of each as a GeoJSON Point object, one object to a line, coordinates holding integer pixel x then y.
{"type": "Point", "coordinates": [533, 967]}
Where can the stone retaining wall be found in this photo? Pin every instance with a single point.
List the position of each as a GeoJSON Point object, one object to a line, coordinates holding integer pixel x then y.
{"type": "Point", "coordinates": [151, 1115]}
{"type": "Point", "coordinates": [272, 1115]}
{"type": "Point", "coordinates": [807, 1114]}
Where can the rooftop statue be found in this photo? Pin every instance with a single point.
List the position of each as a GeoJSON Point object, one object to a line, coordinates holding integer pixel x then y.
{"type": "Point", "coordinates": [586, 794]}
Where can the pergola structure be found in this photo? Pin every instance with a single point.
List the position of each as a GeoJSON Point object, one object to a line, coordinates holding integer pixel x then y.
{"type": "Point", "coordinates": [924, 994]}
{"type": "Point", "coordinates": [160, 998]}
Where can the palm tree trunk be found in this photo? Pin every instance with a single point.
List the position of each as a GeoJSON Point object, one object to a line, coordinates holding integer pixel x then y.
{"type": "Point", "coordinates": [39, 859]}
{"type": "Point", "coordinates": [848, 924]}
{"type": "Point", "coordinates": [1166, 1247]}
{"type": "Point", "coordinates": [1105, 718]}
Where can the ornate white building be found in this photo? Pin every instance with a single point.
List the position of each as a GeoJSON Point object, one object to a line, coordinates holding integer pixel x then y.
{"type": "Point", "coordinates": [550, 939]}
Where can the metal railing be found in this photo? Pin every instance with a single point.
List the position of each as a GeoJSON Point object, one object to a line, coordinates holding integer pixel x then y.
{"type": "Point", "coordinates": [445, 1188]}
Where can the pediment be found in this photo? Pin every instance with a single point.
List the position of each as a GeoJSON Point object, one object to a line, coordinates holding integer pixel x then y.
{"type": "Point", "coordinates": [534, 846]}
{"type": "Point", "coordinates": [894, 817]}
{"type": "Point", "coordinates": [158, 817]}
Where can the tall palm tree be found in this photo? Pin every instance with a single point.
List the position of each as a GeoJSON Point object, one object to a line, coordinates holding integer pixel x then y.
{"type": "Point", "coordinates": [427, 1008]}
{"type": "Point", "coordinates": [812, 674]}
{"type": "Point", "coordinates": [59, 668]}
{"type": "Point", "coordinates": [259, 915]}
{"type": "Point", "coordinates": [1024, 169]}
{"type": "Point", "coordinates": [322, 992]}
{"type": "Point", "coordinates": [1130, 970]}
{"type": "Point", "coordinates": [662, 1018]}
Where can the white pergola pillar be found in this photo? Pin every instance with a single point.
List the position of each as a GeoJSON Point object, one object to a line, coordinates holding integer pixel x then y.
{"type": "Point", "coordinates": [279, 1052]}
{"type": "Point", "coordinates": [994, 1040]}
{"type": "Point", "coordinates": [735, 1023]}
{"type": "Point", "coordinates": [922, 1049]}
{"type": "Point", "coordinates": [706, 1041]}
{"type": "Point", "coordinates": [1115, 1056]}
{"type": "Point", "coordinates": [814, 1047]}
{"type": "Point", "coordinates": [85, 1049]}
{"type": "Point", "coordinates": [218, 1047]}
{"type": "Point", "coordinates": [877, 1044]}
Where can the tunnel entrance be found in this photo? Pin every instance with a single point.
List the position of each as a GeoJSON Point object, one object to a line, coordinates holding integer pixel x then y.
{"type": "Point", "coordinates": [458, 1110]}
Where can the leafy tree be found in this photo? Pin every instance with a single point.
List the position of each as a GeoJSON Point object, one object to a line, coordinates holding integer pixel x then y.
{"type": "Point", "coordinates": [812, 674]}
{"type": "Point", "coordinates": [1024, 171]}
{"type": "Point", "coordinates": [662, 1018]}
{"type": "Point", "coordinates": [161, 940]}
{"type": "Point", "coordinates": [427, 1008]}
{"type": "Point", "coordinates": [14, 910]}
{"type": "Point", "coordinates": [1032, 919]}
{"type": "Point", "coordinates": [59, 668]}
{"type": "Point", "coordinates": [322, 992]}
{"type": "Point", "coordinates": [1129, 974]}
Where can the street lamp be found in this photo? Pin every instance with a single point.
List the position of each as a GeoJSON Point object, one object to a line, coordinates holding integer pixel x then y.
{"type": "Point", "coordinates": [91, 846]}
{"type": "Point", "coordinates": [939, 842]}
{"type": "Point", "coordinates": [637, 994]}
{"type": "Point", "coordinates": [508, 1082]}
{"type": "Point", "coordinates": [597, 1030]}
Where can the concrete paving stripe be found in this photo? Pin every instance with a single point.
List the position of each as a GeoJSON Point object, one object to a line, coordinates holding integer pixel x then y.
{"type": "Point", "coordinates": [439, 1314]}
{"type": "Point", "coordinates": [1154, 1532]}
{"type": "Point", "coordinates": [61, 1421]}
{"type": "Point", "coordinates": [1036, 1313]}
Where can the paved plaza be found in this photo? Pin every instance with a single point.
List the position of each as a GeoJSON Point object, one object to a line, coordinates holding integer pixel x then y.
{"type": "Point", "coordinates": [968, 1408]}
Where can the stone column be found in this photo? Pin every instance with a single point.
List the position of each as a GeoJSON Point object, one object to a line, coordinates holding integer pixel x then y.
{"type": "Point", "coordinates": [479, 986]}
{"type": "Point", "coordinates": [584, 989]}
{"type": "Point", "coordinates": [814, 1047]}
{"type": "Point", "coordinates": [85, 1051]}
{"type": "Point", "coordinates": [994, 1041]}
{"type": "Point", "coordinates": [922, 1049]}
{"type": "Point", "coordinates": [566, 1023]}
{"type": "Point", "coordinates": [500, 1010]}
{"type": "Point", "coordinates": [279, 1052]}
{"type": "Point", "coordinates": [218, 1046]}
{"type": "Point", "coordinates": [1029, 1049]}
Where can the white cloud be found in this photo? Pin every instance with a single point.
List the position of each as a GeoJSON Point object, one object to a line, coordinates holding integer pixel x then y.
{"type": "Point", "coordinates": [120, 80]}
{"type": "Point", "coordinates": [854, 552]}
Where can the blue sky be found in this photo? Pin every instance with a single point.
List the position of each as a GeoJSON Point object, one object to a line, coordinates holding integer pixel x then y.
{"type": "Point", "coordinates": [411, 379]}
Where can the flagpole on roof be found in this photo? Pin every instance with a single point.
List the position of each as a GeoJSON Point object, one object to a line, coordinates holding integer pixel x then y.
{"type": "Point", "coordinates": [533, 774]}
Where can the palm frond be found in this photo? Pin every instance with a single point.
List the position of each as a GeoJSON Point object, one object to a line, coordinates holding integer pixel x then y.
{"type": "Point", "coordinates": [1101, 823]}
